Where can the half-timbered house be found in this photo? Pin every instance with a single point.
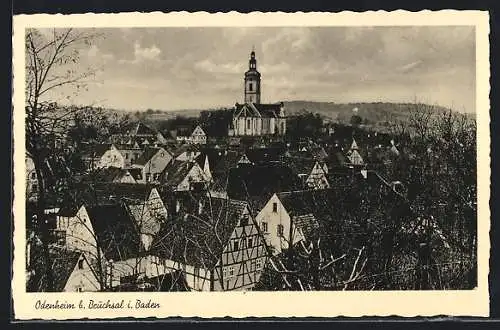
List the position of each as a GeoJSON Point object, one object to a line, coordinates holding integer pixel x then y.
{"type": "Point", "coordinates": [214, 242]}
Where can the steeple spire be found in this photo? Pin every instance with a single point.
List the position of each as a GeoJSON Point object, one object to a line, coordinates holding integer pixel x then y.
{"type": "Point", "coordinates": [252, 64]}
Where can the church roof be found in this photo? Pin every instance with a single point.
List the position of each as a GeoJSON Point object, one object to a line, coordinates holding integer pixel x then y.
{"type": "Point", "coordinates": [269, 110]}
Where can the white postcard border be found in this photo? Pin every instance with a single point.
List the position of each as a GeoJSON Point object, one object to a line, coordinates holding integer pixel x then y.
{"type": "Point", "coordinates": [264, 304]}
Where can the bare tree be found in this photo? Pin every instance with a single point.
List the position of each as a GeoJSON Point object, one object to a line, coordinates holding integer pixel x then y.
{"type": "Point", "coordinates": [51, 63]}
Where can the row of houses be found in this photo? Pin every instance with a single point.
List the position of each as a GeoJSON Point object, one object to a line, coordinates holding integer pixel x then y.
{"type": "Point", "coordinates": [126, 232]}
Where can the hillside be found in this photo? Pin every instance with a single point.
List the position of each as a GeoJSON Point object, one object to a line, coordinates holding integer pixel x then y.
{"type": "Point", "coordinates": [372, 113]}
{"type": "Point", "coordinates": [375, 113]}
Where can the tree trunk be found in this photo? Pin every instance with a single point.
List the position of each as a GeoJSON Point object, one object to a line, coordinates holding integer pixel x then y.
{"type": "Point", "coordinates": [42, 225]}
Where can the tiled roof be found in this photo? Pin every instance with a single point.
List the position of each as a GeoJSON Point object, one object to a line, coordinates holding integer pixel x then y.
{"type": "Point", "coordinates": [260, 155]}
{"type": "Point", "coordinates": [260, 180]}
{"type": "Point", "coordinates": [116, 231]}
{"type": "Point", "coordinates": [146, 156]}
{"type": "Point", "coordinates": [303, 202]}
{"type": "Point", "coordinates": [63, 262]}
{"type": "Point", "coordinates": [258, 109]}
{"type": "Point", "coordinates": [177, 171]}
{"type": "Point", "coordinates": [300, 165]}
{"type": "Point", "coordinates": [104, 192]}
{"type": "Point", "coordinates": [268, 110]}
{"type": "Point", "coordinates": [95, 150]}
{"type": "Point", "coordinates": [105, 175]}
{"type": "Point", "coordinates": [307, 223]}
{"type": "Point", "coordinates": [198, 239]}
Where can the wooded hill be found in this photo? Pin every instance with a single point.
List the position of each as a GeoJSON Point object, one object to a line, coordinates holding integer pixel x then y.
{"type": "Point", "coordinates": [372, 113]}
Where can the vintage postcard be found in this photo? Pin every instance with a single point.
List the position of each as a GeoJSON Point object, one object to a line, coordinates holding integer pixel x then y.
{"type": "Point", "coordinates": [261, 164]}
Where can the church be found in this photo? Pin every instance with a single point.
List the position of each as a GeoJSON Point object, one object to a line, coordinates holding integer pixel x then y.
{"type": "Point", "coordinates": [253, 118]}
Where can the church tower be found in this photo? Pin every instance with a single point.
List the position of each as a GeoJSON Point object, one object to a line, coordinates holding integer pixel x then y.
{"type": "Point", "coordinates": [252, 81]}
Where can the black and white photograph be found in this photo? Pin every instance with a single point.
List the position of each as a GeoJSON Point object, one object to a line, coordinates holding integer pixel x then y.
{"type": "Point", "coordinates": [250, 158]}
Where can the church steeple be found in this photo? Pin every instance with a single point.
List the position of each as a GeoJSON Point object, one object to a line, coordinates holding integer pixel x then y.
{"type": "Point", "coordinates": [252, 80]}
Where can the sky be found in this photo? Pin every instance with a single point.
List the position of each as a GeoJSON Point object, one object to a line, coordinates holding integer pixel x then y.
{"type": "Point", "coordinates": [199, 68]}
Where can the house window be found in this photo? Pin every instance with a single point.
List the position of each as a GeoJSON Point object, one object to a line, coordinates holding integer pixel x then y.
{"type": "Point", "coordinates": [264, 227]}
{"type": "Point", "coordinates": [279, 230]}
{"type": "Point", "coordinates": [252, 265]}
{"type": "Point", "coordinates": [34, 186]}
{"type": "Point", "coordinates": [126, 156]}
{"type": "Point", "coordinates": [244, 220]}
{"type": "Point", "coordinates": [79, 289]}
{"type": "Point", "coordinates": [258, 264]}
{"type": "Point", "coordinates": [250, 242]}
{"type": "Point", "coordinates": [250, 87]}
{"type": "Point", "coordinates": [275, 207]}
{"type": "Point", "coordinates": [235, 246]}
{"type": "Point", "coordinates": [249, 123]}
{"type": "Point", "coordinates": [224, 272]}
{"type": "Point", "coordinates": [231, 271]}
{"type": "Point", "coordinates": [33, 175]}
{"type": "Point", "coordinates": [148, 177]}
{"type": "Point", "coordinates": [156, 176]}
{"type": "Point", "coordinates": [80, 264]}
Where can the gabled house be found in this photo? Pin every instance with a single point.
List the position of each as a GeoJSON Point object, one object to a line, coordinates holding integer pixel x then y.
{"type": "Point", "coordinates": [215, 244]}
{"type": "Point", "coordinates": [196, 136]}
{"type": "Point", "coordinates": [354, 156]}
{"type": "Point", "coordinates": [186, 152]}
{"type": "Point", "coordinates": [120, 156]}
{"type": "Point", "coordinates": [290, 217]}
{"type": "Point", "coordinates": [184, 176]}
{"type": "Point", "coordinates": [92, 154]}
{"type": "Point", "coordinates": [71, 272]}
{"type": "Point", "coordinates": [151, 164]}
{"type": "Point", "coordinates": [117, 230]}
{"type": "Point", "coordinates": [110, 175]}
{"type": "Point", "coordinates": [312, 173]}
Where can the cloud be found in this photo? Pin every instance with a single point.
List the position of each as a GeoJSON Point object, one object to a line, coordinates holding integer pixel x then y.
{"type": "Point", "coordinates": [151, 53]}
{"type": "Point", "coordinates": [208, 65]}
{"type": "Point", "coordinates": [341, 64]}
{"type": "Point", "coordinates": [146, 54]}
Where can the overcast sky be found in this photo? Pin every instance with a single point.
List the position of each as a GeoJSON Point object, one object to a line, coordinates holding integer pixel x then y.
{"type": "Point", "coordinates": [182, 68]}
